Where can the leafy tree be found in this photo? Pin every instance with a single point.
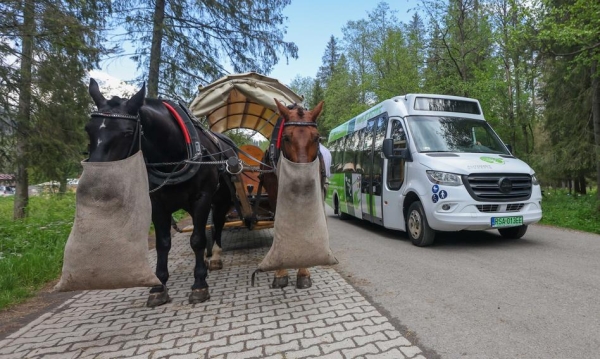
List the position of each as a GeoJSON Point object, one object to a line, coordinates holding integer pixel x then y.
{"type": "Point", "coordinates": [341, 98]}
{"type": "Point", "coordinates": [303, 86]}
{"type": "Point", "coordinates": [188, 42]}
{"type": "Point", "coordinates": [359, 51]}
{"type": "Point", "coordinates": [461, 46]}
{"type": "Point", "coordinates": [571, 30]}
{"type": "Point", "coordinates": [516, 61]}
{"type": "Point", "coordinates": [567, 125]}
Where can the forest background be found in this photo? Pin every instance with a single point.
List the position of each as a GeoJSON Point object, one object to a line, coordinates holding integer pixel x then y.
{"type": "Point", "coordinates": [533, 65]}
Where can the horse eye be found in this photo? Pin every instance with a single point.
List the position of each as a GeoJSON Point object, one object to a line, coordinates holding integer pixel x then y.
{"type": "Point", "coordinates": [286, 138]}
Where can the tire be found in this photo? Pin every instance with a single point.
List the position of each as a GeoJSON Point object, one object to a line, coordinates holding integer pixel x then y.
{"type": "Point", "coordinates": [513, 232]}
{"type": "Point", "coordinates": [341, 215]}
{"type": "Point", "coordinates": [344, 216]}
{"type": "Point", "coordinates": [417, 227]}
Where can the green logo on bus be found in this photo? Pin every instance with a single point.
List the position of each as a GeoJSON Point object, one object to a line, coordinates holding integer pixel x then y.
{"type": "Point", "coordinates": [498, 161]}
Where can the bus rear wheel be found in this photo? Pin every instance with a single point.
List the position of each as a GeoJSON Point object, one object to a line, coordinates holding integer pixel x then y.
{"type": "Point", "coordinates": [337, 210]}
{"type": "Point", "coordinates": [417, 227]}
{"type": "Point", "coordinates": [513, 232]}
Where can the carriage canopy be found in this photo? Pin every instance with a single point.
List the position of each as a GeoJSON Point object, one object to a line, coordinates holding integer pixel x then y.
{"type": "Point", "coordinates": [242, 101]}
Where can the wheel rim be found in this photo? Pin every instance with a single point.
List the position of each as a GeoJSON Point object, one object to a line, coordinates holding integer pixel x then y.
{"type": "Point", "coordinates": [414, 224]}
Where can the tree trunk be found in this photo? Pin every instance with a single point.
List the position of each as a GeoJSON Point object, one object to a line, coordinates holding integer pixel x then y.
{"type": "Point", "coordinates": [576, 185]}
{"type": "Point", "coordinates": [24, 112]}
{"type": "Point", "coordinates": [155, 50]}
{"type": "Point", "coordinates": [582, 183]}
{"type": "Point", "coordinates": [596, 121]}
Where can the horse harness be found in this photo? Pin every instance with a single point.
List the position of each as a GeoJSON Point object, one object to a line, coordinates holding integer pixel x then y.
{"type": "Point", "coordinates": [138, 127]}
{"type": "Point", "coordinates": [188, 125]}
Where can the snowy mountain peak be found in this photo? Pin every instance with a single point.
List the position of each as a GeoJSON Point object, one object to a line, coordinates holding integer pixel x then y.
{"type": "Point", "coordinates": [111, 86]}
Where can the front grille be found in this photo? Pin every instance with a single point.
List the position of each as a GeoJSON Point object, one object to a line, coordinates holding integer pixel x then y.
{"type": "Point", "coordinates": [485, 187]}
{"type": "Point", "coordinates": [514, 207]}
{"type": "Point", "coordinates": [487, 207]}
{"type": "Point", "coordinates": [510, 207]}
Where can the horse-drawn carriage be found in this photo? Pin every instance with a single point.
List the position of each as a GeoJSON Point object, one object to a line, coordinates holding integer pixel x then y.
{"type": "Point", "coordinates": [183, 165]}
{"type": "Point", "coordinates": [245, 101]}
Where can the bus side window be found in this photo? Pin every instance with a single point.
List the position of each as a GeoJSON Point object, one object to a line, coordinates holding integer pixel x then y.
{"type": "Point", "coordinates": [395, 170]}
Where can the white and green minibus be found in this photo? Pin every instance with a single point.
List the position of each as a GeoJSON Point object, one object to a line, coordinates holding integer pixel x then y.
{"type": "Point", "coordinates": [423, 163]}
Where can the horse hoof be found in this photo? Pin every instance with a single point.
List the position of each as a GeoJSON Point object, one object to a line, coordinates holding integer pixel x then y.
{"type": "Point", "coordinates": [159, 298]}
{"type": "Point", "coordinates": [199, 295]}
{"type": "Point", "coordinates": [215, 264]}
{"type": "Point", "coordinates": [280, 282]}
{"type": "Point", "coordinates": [303, 282]}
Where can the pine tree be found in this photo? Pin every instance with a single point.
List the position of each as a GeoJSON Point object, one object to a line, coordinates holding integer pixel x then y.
{"type": "Point", "coordinates": [187, 42]}
{"type": "Point", "coordinates": [49, 48]}
{"type": "Point", "coordinates": [330, 58]}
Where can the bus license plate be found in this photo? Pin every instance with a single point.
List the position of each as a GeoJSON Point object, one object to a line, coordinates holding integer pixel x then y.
{"type": "Point", "coordinates": [507, 221]}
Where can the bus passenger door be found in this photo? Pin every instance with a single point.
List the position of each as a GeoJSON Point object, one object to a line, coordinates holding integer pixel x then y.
{"type": "Point", "coordinates": [395, 174]}
{"type": "Point", "coordinates": [372, 164]}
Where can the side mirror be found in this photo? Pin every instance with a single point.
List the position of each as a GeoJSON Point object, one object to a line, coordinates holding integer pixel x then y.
{"type": "Point", "coordinates": [509, 148]}
{"type": "Point", "coordinates": [388, 150]}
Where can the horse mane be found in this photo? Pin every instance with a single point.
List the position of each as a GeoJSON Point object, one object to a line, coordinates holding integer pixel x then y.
{"type": "Point", "coordinates": [299, 109]}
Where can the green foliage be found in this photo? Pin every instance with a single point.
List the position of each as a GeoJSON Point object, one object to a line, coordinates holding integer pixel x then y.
{"type": "Point", "coordinates": [304, 86]}
{"type": "Point", "coordinates": [578, 212]}
{"type": "Point", "coordinates": [196, 38]}
{"type": "Point", "coordinates": [46, 50]}
{"type": "Point", "coordinates": [31, 249]}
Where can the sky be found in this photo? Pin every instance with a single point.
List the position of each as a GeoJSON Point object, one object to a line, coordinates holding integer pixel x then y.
{"type": "Point", "coordinates": [310, 25]}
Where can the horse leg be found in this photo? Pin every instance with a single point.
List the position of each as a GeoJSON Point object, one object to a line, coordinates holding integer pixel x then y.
{"type": "Point", "coordinates": [200, 292]}
{"type": "Point", "coordinates": [281, 279]}
{"type": "Point", "coordinates": [162, 228]}
{"type": "Point", "coordinates": [219, 212]}
{"type": "Point", "coordinates": [303, 279]}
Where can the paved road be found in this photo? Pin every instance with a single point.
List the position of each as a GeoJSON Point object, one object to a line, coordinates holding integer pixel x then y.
{"type": "Point", "coordinates": [330, 320]}
{"type": "Point", "coordinates": [476, 295]}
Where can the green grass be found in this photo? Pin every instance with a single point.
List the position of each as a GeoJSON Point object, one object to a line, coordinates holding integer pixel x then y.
{"type": "Point", "coordinates": [581, 212]}
{"type": "Point", "coordinates": [31, 250]}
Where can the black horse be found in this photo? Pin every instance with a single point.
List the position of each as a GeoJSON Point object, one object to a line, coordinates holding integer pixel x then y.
{"type": "Point", "coordinates": [120, 127]}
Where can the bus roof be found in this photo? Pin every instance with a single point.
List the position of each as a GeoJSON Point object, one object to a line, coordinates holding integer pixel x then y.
{"type": "Point", "coordinates": [413, 104]}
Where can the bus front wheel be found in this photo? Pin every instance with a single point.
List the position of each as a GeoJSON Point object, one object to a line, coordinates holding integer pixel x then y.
{"type": "Point", "coordinates": [417, 227]}
{"type": "Point", "coordinates": [513, 232]}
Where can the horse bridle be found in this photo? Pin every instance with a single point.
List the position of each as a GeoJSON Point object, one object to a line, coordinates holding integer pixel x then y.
{"type": "Point", "coordinates": [138, 127]}
{"type": "Point", "coordinates": [297, 123]}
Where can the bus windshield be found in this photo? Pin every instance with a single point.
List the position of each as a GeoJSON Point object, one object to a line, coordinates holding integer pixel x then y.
{"type": "Point", "coordinates": [454, 134]}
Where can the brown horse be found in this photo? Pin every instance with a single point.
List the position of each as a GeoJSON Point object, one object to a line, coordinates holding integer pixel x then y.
{"type": "Point", "coordinates": [297, 140]}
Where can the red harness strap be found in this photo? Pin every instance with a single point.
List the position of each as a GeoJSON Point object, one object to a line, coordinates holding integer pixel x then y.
{"type": "Point", "coordinates": [280, 133]}
{"type": "Point", "coordinates": [173, 112]}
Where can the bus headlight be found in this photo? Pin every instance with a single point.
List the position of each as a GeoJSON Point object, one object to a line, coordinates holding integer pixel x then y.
{"type": "Point", "coordinates": [444, 178]}
{"type": "Point", "coordinates": [534, 180]}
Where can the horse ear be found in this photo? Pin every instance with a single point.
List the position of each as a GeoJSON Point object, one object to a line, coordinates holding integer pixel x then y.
{"type": "Point", "coordinates": [134, 104]}
{"type": "Point", "coordinates": [283, 111]}
{"type": "Point", "coordinates": [316, 111]}
{"type": "Point", "coordinates": [94, 90]}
